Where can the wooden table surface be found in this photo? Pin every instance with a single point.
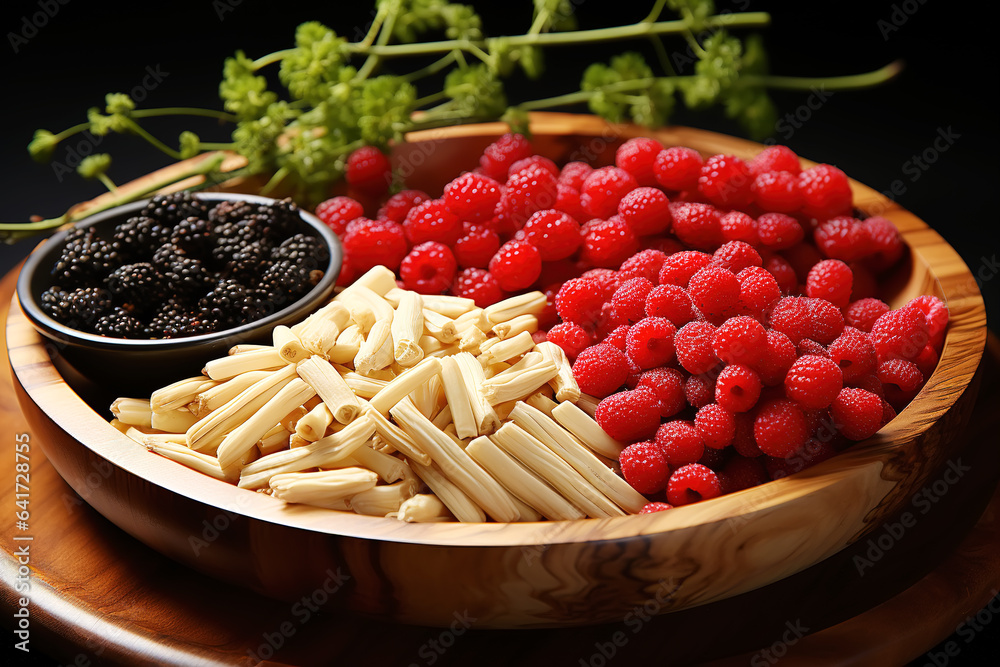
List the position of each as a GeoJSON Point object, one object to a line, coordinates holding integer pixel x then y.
{"type": "Point", "coordinates": [99, 596]}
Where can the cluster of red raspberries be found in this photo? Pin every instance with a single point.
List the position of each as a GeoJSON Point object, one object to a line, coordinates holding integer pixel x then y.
{"type": "Point", "coordinates": [722, 309]}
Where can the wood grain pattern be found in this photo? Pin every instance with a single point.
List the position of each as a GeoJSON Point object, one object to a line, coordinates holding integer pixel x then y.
{"type": "Point", "coordinates": [545, 574]}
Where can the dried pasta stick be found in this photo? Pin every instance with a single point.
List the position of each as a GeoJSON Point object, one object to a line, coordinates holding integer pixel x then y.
{"type": "Point", "coordinates": [459, 400]}
{"type": "Point", "coordinates": [404, 384]}
{"type": "Point", "coordinates": [521, 482]}
{"type": "Point", "coordinates": [568, 448]}
{"type": "Point", "coordinates": [443, 417]}
{"type": "Point", "coordinates": [427, 397]}
{"type": "Point", "coordinates": [516, 383]}
{"type": "Point", "coordinates": [133, 411]}
{"type": "Point", "coordinates": [313, 425]}
{"type": "Point", "coordinates": [529, 303]}
{"type": "Point", "coordinates": [564, 383]}
{"type": "Point", "coordinates": [141, 437]}
{"type": "Point", "coordinates": [473, 318]}
{"type": "Point", "coordinates": [207, 465]}
{"type": "Point", "coordinates": [560, 475]}
{"type": "Point", "coordinates": [482, 410]}
{"type": "Point", "coordinates": [588, 404]}
{"type": "Point", "coordinates": [347, 345]}
{"type": "Point", "coordinates": [447, 305]}
{"type": "Point", "coordinates": [440, 327]}
{"type": "Point", "coordinates": [513, 327]}
{"type": "Point", "coordinates": [209, 430]}
{"type": "Point", "coordinates": [541, 402]}
{"type": "Point", "coordinates": [382, 500]}
{"type": "Point", "coordinates": [366, 306]}
{"type": "Point", "coordinates": [506, 349]}
{"type": "Point", "coordinates": [173, 421]}
{"type": "Point", "coordinates": [528, 513]}
{"type": "Point", "coordinates": [241, 348]}
{"type": "Point", "coordinates": [389, 468]}
{"type": "Point", "coordinates": [362, 386]}
{"type": "Point", "coordinates": [217, 396]}
{"type": "Point", "coordinates": [378, 279]}
{"type": "Point", "coordinates": [455, 463]}
{"type": "Point", "coordinates": [238, 441]}
{"type": "Point", "coordinates": [472, 340]}
{"type": "Point", "coordinates": [376, 351]}
{"type": "Point", "coordinates": [225, 368]}
{"type": "Point", "coordinates": [455, 499]}
{"type": "Point", "coordinates": [325, 323]}
{"type": "Point", "coordinates": [407, 327]}
{"type": "Point", "coordinates": [274, 440]}
{"type": "Point", "coordinates": [323, 488]}
{"type": "Point", "coordinates": [288, 345]}
{"type": "Point", "coordinates": [399, 439]}
{"type": "Point", "coordinates": [587, 431]}
{"type": "Point", "coordinates": [331, 387]}
{"type": "Point", "coordinates": [180, 393]}
{"type": "Point", "coordinates": [424, 508]}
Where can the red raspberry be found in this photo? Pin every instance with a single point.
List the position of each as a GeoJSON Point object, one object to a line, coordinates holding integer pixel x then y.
{"type": "Point", "coordinates": [936, 314]}
{"type": "Point", "coordinates": [780, 427]}
{"type": "Point", "coordinates": [572, 338]}
{"type": "Point", "coordinates": [574, 174]}
{"type": "Point", "coordinates": [600, 370]}
{"type": "Point", "coordinates": [671, 302]}
{"type": "Point", "coordinates": [900, 334]}
{"type": "Point", "coordinates": [783, 273]}
{"type": "Point", "coordinates": [884, 242]}
{"type": "Point", "coordinates": [741, 473]}
{"type": "Point", "coordinates": [629, 301]}
{"type": "Point", "coordinates": [668, 246]}
{"type": "Point", "coordinates": [618, 336]}
{"type": "Point", "coordinates": [832, 280]}
{"type": "Point", "coordinates": [338, 211]}
{"type": "Point", "coordinates": [714, 458]}
{"type": "Point", "coordinates": [808, 346]}
{"type": "Point", "coordinates": [652, 508]}
{"type": "Point", "coordinates": [758, 291]}
{"type": "Point", "coordinates": [737, 388]}
{"type": "Point", "coordinates": [527, 191]}
{"type": "Point", "coordinates": [869, 383]}
{"type": "Point", "coordinates": [608, 243]}
{"type": "Point", "coordinates": [644, 264]}
{"type": "Point", "coordinates": [861, 314]}
{"type": "Point", "coordinates": [904, 375]}
{"type": "Point", "coordinates": [368, 171]}
{"type": "Point", "coordinates": [775, 158]}
{"type": "Point", "coordinates": [476, 247]}
{"type": "Point", "coordinates": [568, 201]}
{"type": "Point", "coordinates": [629, 415]}
{"type": "Point", "coordinates": [432, 221]}
{"type": "Point", "coordinates": [813, 382]}
{"type": "Point", "coordinates": [843, 238]}
{"type": "Point", "coordinates": [604, 189]}
{"type": "Point", "coordinates": [531, 160]}
{"type": "Point", "coordinates": [888, 412]}
{"type": "Point", "coordinates": [645, 468]}
{"type": "Point", "coordinates": [579, 301]}
{"type": "Point", "coordinates": [472, 196]}
{"type": "Point", "coordinates": [637, 156]}
{"type": "Point", "coordinates": [777, 191]}
{"type": "Point", "coordinates": [826, 191]}
{"type": "Point", "coordinates": [398, 205]}
{"type": "Point", "coordinates": [779, 355]}
{"type": "Point", "coordinates": [736, 256]}
{"type": "Point", "coordinates": [699, 390]}
{"type": "Point", "coordinates": [802, 317]}
{"type": "Point", "coordinates": [778, 231]}
{"type": "Point", "coordinates": [428, 269]}
{"type": "Point", "coordinates": [715, 425]}
{"type": "Point", "coordinates": [605, 280]}
{"type": "Point", "coordinates": [516, 265]}
{"type": "Point", "coordinates": [853, 353]}
{"type": "Point", "coordinates": [857, 413]}
{"type": "Point", "coordinates": [650, 342]}
{"type": "Point", "coordinates": [740, 340]}
{"type": "Point", "coordinates": [678, 268]}
{"type": "Point", "coordinates": [738, 226]}
{"type": "Point", "coordinates": [743, 442]}
{"type": "Point", "coordinates": [714, 291]}
{"type": "Point", "coordinates": [502, 153]}
{"type": "Point", "coordinates": [693, 344]}
{"type": "Point", "coordinates": [697, 225]}
{"type": "Point", "coordinates": [692, 483]}
{"type": "Point", "coordinates": [927, 360]}
{"type": "Point", "coordinates": [668, 385]}
{"type": "Point", "coordinates": [680, 442]}
{"type": "Point", "coordinates": [678, 168]}
{"type": "Point", "coordinates": [372, 242]}
{"type": "Point", "coordinates": [555, 234]}
{"type": "Point", "coordinates": [646, 210]}
{"type": "Point", "coordinates": [725, 181]}
{"type": "Point", "coordinates": [478, 285]}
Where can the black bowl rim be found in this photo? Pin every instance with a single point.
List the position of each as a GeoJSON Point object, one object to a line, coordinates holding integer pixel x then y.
{"type": "Point", "coordinates": [50, 328]}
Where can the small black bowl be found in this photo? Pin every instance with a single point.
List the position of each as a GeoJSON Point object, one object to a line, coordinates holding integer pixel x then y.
{"type": "Point", "coordinates": [140, 365]}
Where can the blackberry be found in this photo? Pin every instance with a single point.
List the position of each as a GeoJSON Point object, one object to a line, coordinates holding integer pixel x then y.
{"type": "Point", "coordinates": [285, 280]}
{"type": "Point", "coordinates": [281, 218]}
{"type": "Point", "coordinates": [171, 209]}
{"type": "Point", "coordinates": [186, 276]}
{"type": "Point", "coordinates": [84, 256]}
{"type": "Point", "coordinates": [175, 319]}
{"type": "Point", "coordinates": [87, 304]}
{"type": "Point", "coordinates": [139, 285]}
{"type": "Point", "coordinates": [194, 236]}
{"type": "Point", "coordinates": [302, 248]}
{"type": "Point", "coordinates": [231, 237]}
{"type": "Point", "coordinates": [55, 303]}
{"type": "Point", "coordinates": [228, 304]}
{"type": "Point", "coordinates": [249, 263]}
{"type": "Point", "coordinates": [120, 323]}
{"type": "Point", "coordinates": [139, 236]}
{"type": "Point", "coordinates": [231, 211]}
{"type": "Point", "coordinates": [167, 254]}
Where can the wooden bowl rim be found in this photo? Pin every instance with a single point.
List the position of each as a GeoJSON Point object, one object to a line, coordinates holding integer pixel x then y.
{"type": "Point", "coordinates": [42, 382]}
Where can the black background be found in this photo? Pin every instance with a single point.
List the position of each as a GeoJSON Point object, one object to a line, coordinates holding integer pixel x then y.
{"type": "Point", "coordinates": [69, 61]}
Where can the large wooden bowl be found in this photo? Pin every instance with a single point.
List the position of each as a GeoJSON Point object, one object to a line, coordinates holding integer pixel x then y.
{"type": "Point", "coordinates": [522, 575]}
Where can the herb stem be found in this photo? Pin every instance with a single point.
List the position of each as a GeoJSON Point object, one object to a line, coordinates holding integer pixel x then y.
{"type": "Point", "coordinates": [184, 111]}
{"type": "Point", "coordinates": [151, 139]}
{"type": "Point", "coordinates": [849, 82]}
{"type": "Point", "coordinates": [431, 69]}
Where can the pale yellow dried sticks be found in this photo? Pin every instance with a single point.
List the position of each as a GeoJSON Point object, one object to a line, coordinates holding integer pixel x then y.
{"type": "Point", "coordinates": [331, 387]}
{"type": "Point", "coordinates": [564, 382]}
{"type": "Point", "coordinates": [397, 437]}
{"type": "Point", "coordinates": [424, 508]}
{"type": "Point", "coordinates": [484, 415]}
{"type": "Point", "coordinates": [224, 368]}
{"type": "Point", "coordinates": [217, 396]}
{"type": "Point", "coordinates": [529, 303]}
{"type": "Point", "coordinates": [587, 431]}
{"type": "Point", "coordinates": [238, 441]}
{"type": "Point", "coordinates": [407, 328]}
{"type": "Point", "coordinates": [323, 489]}
{"type": "Point", "coordinates": [133, 411]}
{"type": "Point", "coordinates": [180, 393]}
{"type": "Point", "coordinates": [404, 384]}
{"type": "Point", "coordinates": [454, 498]}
